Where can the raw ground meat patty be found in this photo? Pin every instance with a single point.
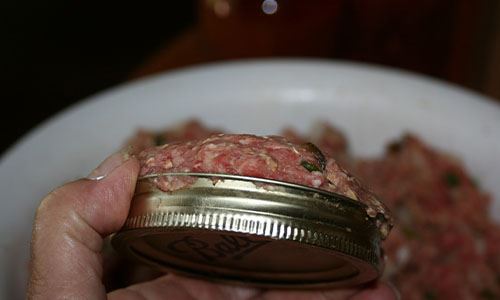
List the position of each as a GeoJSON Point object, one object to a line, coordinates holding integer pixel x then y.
{"type": "Point", "coordinates": [187, 131]}
{"type": "Point", "coordinates": [270, 157]}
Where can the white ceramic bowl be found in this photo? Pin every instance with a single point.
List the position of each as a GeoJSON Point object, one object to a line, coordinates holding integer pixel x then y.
{"type": "Point", "coordinates": [372, 105]}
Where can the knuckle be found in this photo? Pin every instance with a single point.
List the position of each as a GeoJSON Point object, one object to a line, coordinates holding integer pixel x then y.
{"type": "Point", "coordinates": [48, 201]}
{"type": "Point", "coordinates": [54, 200]}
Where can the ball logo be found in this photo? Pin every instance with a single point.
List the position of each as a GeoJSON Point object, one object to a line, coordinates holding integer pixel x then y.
{"type": "Point", "coordinates": [223, 247]}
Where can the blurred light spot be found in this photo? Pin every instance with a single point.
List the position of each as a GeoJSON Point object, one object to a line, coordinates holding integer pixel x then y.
{"type": "Point", "coordinates": [269, 7]}
{"type": "Point", "coordinates": [222, 9]}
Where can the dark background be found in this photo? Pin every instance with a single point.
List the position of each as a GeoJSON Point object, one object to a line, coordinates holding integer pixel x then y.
{"type": "Point", "coordinates": [58, 52]}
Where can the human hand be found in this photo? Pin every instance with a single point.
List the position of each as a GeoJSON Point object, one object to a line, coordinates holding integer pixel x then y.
{"type": "Point", "coordinates": [67, 241]}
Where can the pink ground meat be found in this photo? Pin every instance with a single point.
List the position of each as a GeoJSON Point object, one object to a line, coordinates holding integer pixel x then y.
{"type": "Point", "coordinates": [444, 245]}
{"type": "Point", "coordinates": [270, 157]}
{"type": "Point", "coordinates": [248, 155]}
{"type": "Point", "coordinates": [186, 131]}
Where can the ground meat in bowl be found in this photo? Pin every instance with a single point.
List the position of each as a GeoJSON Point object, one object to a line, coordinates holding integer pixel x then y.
{"type": "Point", "coordinates": [444, 245]}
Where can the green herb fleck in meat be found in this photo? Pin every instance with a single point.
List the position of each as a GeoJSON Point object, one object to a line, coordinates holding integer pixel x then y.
{"type": "Point", "coordinates": [475, 182]}
{"type": "Point", "coordinates": [430, 295]}
{"type": "Point", "coordinates": [452, 179]}
{"type": "Point", "coordinates": [320, 157]}
{"type": "Point", "coordinates": [409, 233]}
{"type": "Point", "coordinates": [394, 147]}
{"type": "Point", "coordinates": [160, 139]}
{"type": "Point", "coordinates": [309, 166]}
{"type": "Point", "coordinates": [487, 294]}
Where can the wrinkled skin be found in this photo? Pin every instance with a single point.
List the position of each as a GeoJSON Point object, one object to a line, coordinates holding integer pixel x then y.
{"type": "Point", "coordinates": [67, 242]}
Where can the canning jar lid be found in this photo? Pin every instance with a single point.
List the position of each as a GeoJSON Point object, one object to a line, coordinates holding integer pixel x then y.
{"type": "Point", "coordinates": [253, 231]}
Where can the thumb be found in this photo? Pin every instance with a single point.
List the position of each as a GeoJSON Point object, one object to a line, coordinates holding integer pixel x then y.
{"type": "Point", "coordinates": [69, 227]}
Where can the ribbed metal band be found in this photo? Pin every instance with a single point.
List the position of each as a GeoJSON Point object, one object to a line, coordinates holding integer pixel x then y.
{"type": "Point", "coordinates": [275, 228]}
{"type": "Point", "coordinates": [290, 219]}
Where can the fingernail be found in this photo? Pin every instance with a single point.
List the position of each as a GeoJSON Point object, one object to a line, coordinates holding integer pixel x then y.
{"type": "Point", "coordinates": [108, 165]}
